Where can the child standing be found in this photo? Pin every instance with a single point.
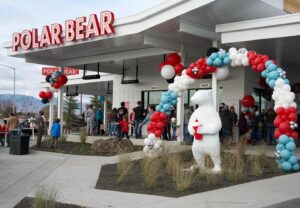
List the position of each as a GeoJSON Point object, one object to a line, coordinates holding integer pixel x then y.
{"type": "Point", "coordinates": [124, 127]}
{"type": "Point", "coordinates": [55, 132]}
{"type": "Point", "coordinates": [174, 126]}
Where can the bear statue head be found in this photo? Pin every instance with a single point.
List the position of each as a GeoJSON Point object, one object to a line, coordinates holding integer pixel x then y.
{"type": "Point", "coordinates": [202, 97]}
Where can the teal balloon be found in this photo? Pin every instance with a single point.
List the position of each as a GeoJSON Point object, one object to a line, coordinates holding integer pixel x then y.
{"type": "Point", "coordinates": [174, 102]}
{"type": "Point", "coordinates": [158, 108]}
{"type": "Point", "coordinates": [264, 74]}
{"type": "Point", "coordinates": [273, 75]}
{"type": "Point", "coordinates": [213, 56]}
{"type": "Point", "coordinates": [292, 139]}
{"type": "Point", "coordinates": [283, 139]}
{"type": "Point", "coordinates": [271, 83]}
{"type": "Point", "coordinates": [164, 99]}
{"type": "Point", "coordinates": [209, 61]}
{"type": "Point", "coordinates": [217, 62]}
{"type": "Point", "coordinates": [278, 162]}
{"type": "Point", "coordinates": [293, 160]}
{"type": "Point", "coordinates": [272, 67]}
{"type": "Point", "coordinates": [168, 113]}
{"type": "Point", "coordinates": [51, 80]}
{"type": "Point", "coordinates": [296, 167]}
{"type": "Point", "coordinates": [286, 166]}
{"type": "Point", "coordinates": [174, 95]}
{"type": "Point", "coordinates": [222, 54]}
{"type": "Point", "coordinates": [291, 146]}
{"type": "Point", "coordinates": [166, 107]}
{"type": "Point", "coordinates": [268, 63]}
{"type": "Point", "coordinates": [162, 110]}
{"type": "Point", "coordinates": [226, 60]}
{"type": "Point", "coordinates": [285, 154]}
{"type": "Point", "coordinates": [279, 147]}
{"type": "Point", "coordinates": [286, 81]}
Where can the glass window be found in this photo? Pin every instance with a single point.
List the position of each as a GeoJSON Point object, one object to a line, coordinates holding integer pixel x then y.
{"type": "Point", "coordinates": [154, 97]}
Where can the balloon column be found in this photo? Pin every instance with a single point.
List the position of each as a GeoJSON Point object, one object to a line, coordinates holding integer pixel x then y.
{"type": "Point", "coordinates": [56, 80]}
{"type": "Point", "coordinates": [216, 62]}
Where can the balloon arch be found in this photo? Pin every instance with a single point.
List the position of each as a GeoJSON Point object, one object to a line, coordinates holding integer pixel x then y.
{"type": "Point", "coordinates": [217, 62]}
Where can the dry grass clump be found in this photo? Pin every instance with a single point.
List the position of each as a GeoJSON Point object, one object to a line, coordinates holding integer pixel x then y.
{"type": "Point", "coordinates": [45, 197]}
{"type": "Point", "coordinates": [183, 179]}
{"type": "Point", "coordinates": [83, 137]}
{"type": "Point", "coordinates": [234, 166]}
{"type": "Point", "coordinates": [124, 167]}
{"type": "Point", "coordinates": [150, 171]}
{"type": "Point", "coordinates": [259, 162]}
{"type": "Point", "coordinates": [63, 138]}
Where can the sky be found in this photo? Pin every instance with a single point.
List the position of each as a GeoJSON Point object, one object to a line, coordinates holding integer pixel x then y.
{"type": "Point", "coordinates": [17, 15]}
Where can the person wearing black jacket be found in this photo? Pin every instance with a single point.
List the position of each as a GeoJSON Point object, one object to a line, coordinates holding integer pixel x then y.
{"type": "Point", "coordinates": [227, 119]}
{"type": "Point", "coordinates": [138, 119]}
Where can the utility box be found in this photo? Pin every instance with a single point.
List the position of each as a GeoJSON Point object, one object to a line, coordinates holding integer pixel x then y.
{"type": "Point", "coordinates": [19, 142]}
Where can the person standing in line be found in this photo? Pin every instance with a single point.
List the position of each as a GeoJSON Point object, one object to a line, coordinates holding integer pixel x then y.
{"type": "Point", "coordinates": [235, 133]}
{"type": "Point", "coordinates": [40, 125]}
{"type": "Point", "coordinates": [173, 126]}
{"type": "Point", "coordinates": [122, 111]}
{"type": "Point", "coordinates": [270, 116]}
{"type": "Point", "coordinates": [114, 122]}
{"type": "Point", "coordinates": [138, 119]}
{"type": "Point", "coordinates": [89, 118]}
{"type": "Point", "coordinates": [148, 116]}
{"type": "Point", "coordinates": [242, 124]}
{"type": "Point", "coordinates": [188, 111]}
{"type": "Point", "coordinates": [3, 128]}
{"type": "Point", "coordinates": [99, 120]}
{"type": "Point", "coordinates": [227, 120]}
{"type": "Point", "coordinates": [55, 133]}
{"type": "Point", "coordinates": [124, 124]}
{"type": "Point", "coordinates": [131, 123]}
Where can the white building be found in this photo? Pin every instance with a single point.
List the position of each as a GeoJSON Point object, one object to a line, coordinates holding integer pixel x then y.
{"type": "Point", "coordinates": [185, 26]}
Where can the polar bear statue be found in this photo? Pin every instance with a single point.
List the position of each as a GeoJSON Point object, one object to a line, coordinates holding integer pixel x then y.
{"type": "Point", "coordinates": [205, 125]}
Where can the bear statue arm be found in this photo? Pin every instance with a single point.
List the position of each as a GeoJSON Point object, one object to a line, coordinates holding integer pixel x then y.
{"type": "Point", "coordinates": [190, 125]}
{"type": "Point", "coordinates": [212, 126]}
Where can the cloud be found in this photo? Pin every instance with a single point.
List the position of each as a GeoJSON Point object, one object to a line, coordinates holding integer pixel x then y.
{"type": "Point", "coordinates": [17, 15]}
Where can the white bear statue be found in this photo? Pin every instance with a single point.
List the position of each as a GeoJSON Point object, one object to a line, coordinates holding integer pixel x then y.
{"type": "Point", "coordinates": [205, 125]}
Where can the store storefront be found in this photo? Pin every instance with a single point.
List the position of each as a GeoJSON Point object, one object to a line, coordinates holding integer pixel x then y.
{"type": "Point", "coordinates": [129, 50]}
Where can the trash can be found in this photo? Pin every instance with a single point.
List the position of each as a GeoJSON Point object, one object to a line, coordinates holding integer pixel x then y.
{"type": "Point", "coordinates": [19, 142]}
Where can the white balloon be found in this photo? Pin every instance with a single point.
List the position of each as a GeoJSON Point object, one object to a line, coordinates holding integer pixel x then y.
{"type": "Point", "coordinates": [294, 105]}
{"type": "Point", "coordinates": [279, 82]}
{"type": "Point", "coordinates": [167, 72]}
{"type": "Point", "coordinates": [52, 89]}
{"type": "Point", "coordinates": [222, 73]}
{"type": "Point", "coordinates": [245, 61]}
{"type": "Point", "coordinates": [286, 87]}
{"type": "Point", "coordinates": [183, 72]}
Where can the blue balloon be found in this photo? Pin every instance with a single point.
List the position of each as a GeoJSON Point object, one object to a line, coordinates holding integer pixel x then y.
{"type": "Point", "coordinates": [209, 61]}
{"type": "Point", "coordinates": [157, 108]}
{"type": "Point", "coordinates": [279, 147]}
{"type": "Point", "coordinates": [222, 54]}
{"type": "Point", "coordinates": [166, 107]}
{"type": "Point", "coordinates": [226, 60]}
{"type": "Point", "coordinates": [217, 62]}
{"type": "Point", "coordinates": [51, 80]}
{"type": "Point", "coordinates": [295, 167]}
{"type": "Point", "coordinates": [291, 146]}
{"type": "Point", "coordinates": [286, 166]}
{"type": "Point", "coordinates": [271, 83]}
{"type": "Point", "coordinates": [56, 74]}
{"type": "Point", "coordinates": [174, 95]}
{"type": "Point", "coordinates": [174, 102]}
{"type": "Point", "coordinates": [283, 139]}
{"type": "Point", "coordinates": [273, 75]}
{"type": "Point", "coordinates": [268, 63]}
{"type": "Point", "coordinates": [162, 110]}
{"type": "Point", "coordinates": [213, 56]}
{"type": "Point", "coordinates": [164, 99]}
{"type": "Point", "coordinates": [293, 159]}
{"type": "Point", "coordinates": [264, 74]}
{"type": "Point", "coordinates": [168, 113]}
{"type": "Point", "coordinates": [285, 154]}
{"type": "Point", "coordinates": [272, 67]}
{"type": "Point", "coordinates": [286, 81]}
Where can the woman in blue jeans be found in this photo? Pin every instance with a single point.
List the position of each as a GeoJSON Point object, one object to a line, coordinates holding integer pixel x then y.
{"type": "Point", "coordinates": [114, 123]}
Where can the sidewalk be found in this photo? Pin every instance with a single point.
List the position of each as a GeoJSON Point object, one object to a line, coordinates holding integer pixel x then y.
{"type": "Point", "coordinates": [75, 177]}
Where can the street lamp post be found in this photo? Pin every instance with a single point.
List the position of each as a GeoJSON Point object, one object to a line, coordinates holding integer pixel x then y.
{"type": "Point", "coordinates": [14, 106]}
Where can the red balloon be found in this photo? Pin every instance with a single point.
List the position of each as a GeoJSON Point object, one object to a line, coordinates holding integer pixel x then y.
{"type": "Point", "coordinates": [294, 135]}
{"type": "Point", "coordinates": [149, 128]}
{"type": "Point", "coordinates": [173, 59]}
{"type": "Point", "coordinates": [277, 122]}
{"type": "Point", "coordinates": [292, 110]}
{"type": "Point", "coordinates": [160, 125]}
{"type": "Point", "coordinates": [280, 110]}
{"type": "Point", "coordinates": [178, 68]}
{"type": "Point", "coordinates": [163, 116]}
{"type": "Point", "coordinates": [284, 127]}
{"type": "Point", "coordinates": [248, 101]}
{"type": "Point", "coordinates": [62, 79]}
{"type": "Point", "coordinates": [57, 85]}
{"type": "Point", "coordinates": [42, 94]}
{"type": "Point", "coordinates": [293, 116]}
{"type": "Point", "coordinates": [283, 117]}
{"type": "Point", "coordinates": [260, 67]}
{"type": "Point", "coordinates": [157, 133]}
{"type": "Point", "coordinates": [49, 95]}
{"type": "Point", "coordinates": [277, 134]}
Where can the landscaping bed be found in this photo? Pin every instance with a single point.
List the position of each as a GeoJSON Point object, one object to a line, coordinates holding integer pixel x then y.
{"type": "Point", "coordinates": [76, 148]}
{"type": "Point", "coordinates": [27, 202]}
{"type": "Point", "coordinates": [170, 175]}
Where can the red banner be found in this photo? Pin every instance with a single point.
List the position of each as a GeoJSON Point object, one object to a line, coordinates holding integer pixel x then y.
{"type": "Point", "coordinates": [67, 71]}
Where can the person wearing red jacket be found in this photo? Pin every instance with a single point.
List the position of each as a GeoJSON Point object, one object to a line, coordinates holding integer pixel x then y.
{"type": "Point", "coordinates": [2, 133]}
{"type": "Point", "coordinates": [124, 127]}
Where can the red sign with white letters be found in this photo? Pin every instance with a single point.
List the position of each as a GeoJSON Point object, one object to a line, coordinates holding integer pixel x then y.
{"type": "Point", "coordinates": [78, 29]}
{"type": "Point", "coordinates": [67, 71]}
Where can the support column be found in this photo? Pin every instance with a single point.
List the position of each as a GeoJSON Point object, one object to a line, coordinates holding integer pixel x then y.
{"type": "Point", "coordinates": [51, 115]}
{"type": "Point", "coordinates": [60, 99]}
{"type": "Point", "coordinates": [105, 112]}
{"type": "Point", "coordinates": [180, 110]}
{"type": "Point", "coordinates": [215, 85]}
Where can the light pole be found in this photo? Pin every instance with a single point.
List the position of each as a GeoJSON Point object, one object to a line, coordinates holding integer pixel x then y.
{"type": "Point", "coordinates": [14, 106]}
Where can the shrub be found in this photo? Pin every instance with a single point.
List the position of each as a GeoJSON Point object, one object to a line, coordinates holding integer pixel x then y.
{"type": "Point", "coordinates": [124, 167]}
{"type": "Point", "coordinates": [183, 179]}
{"type": "Point", "coordinates": [150, 171]}
{"type": "Point", "coordinates": [45, 197]}
{"type": "Point", "coordinates": [173, 164]}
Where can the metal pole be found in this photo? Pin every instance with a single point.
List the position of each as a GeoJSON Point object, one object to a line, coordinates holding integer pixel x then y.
{"type": "Point", "coordinates": [14, 105]}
